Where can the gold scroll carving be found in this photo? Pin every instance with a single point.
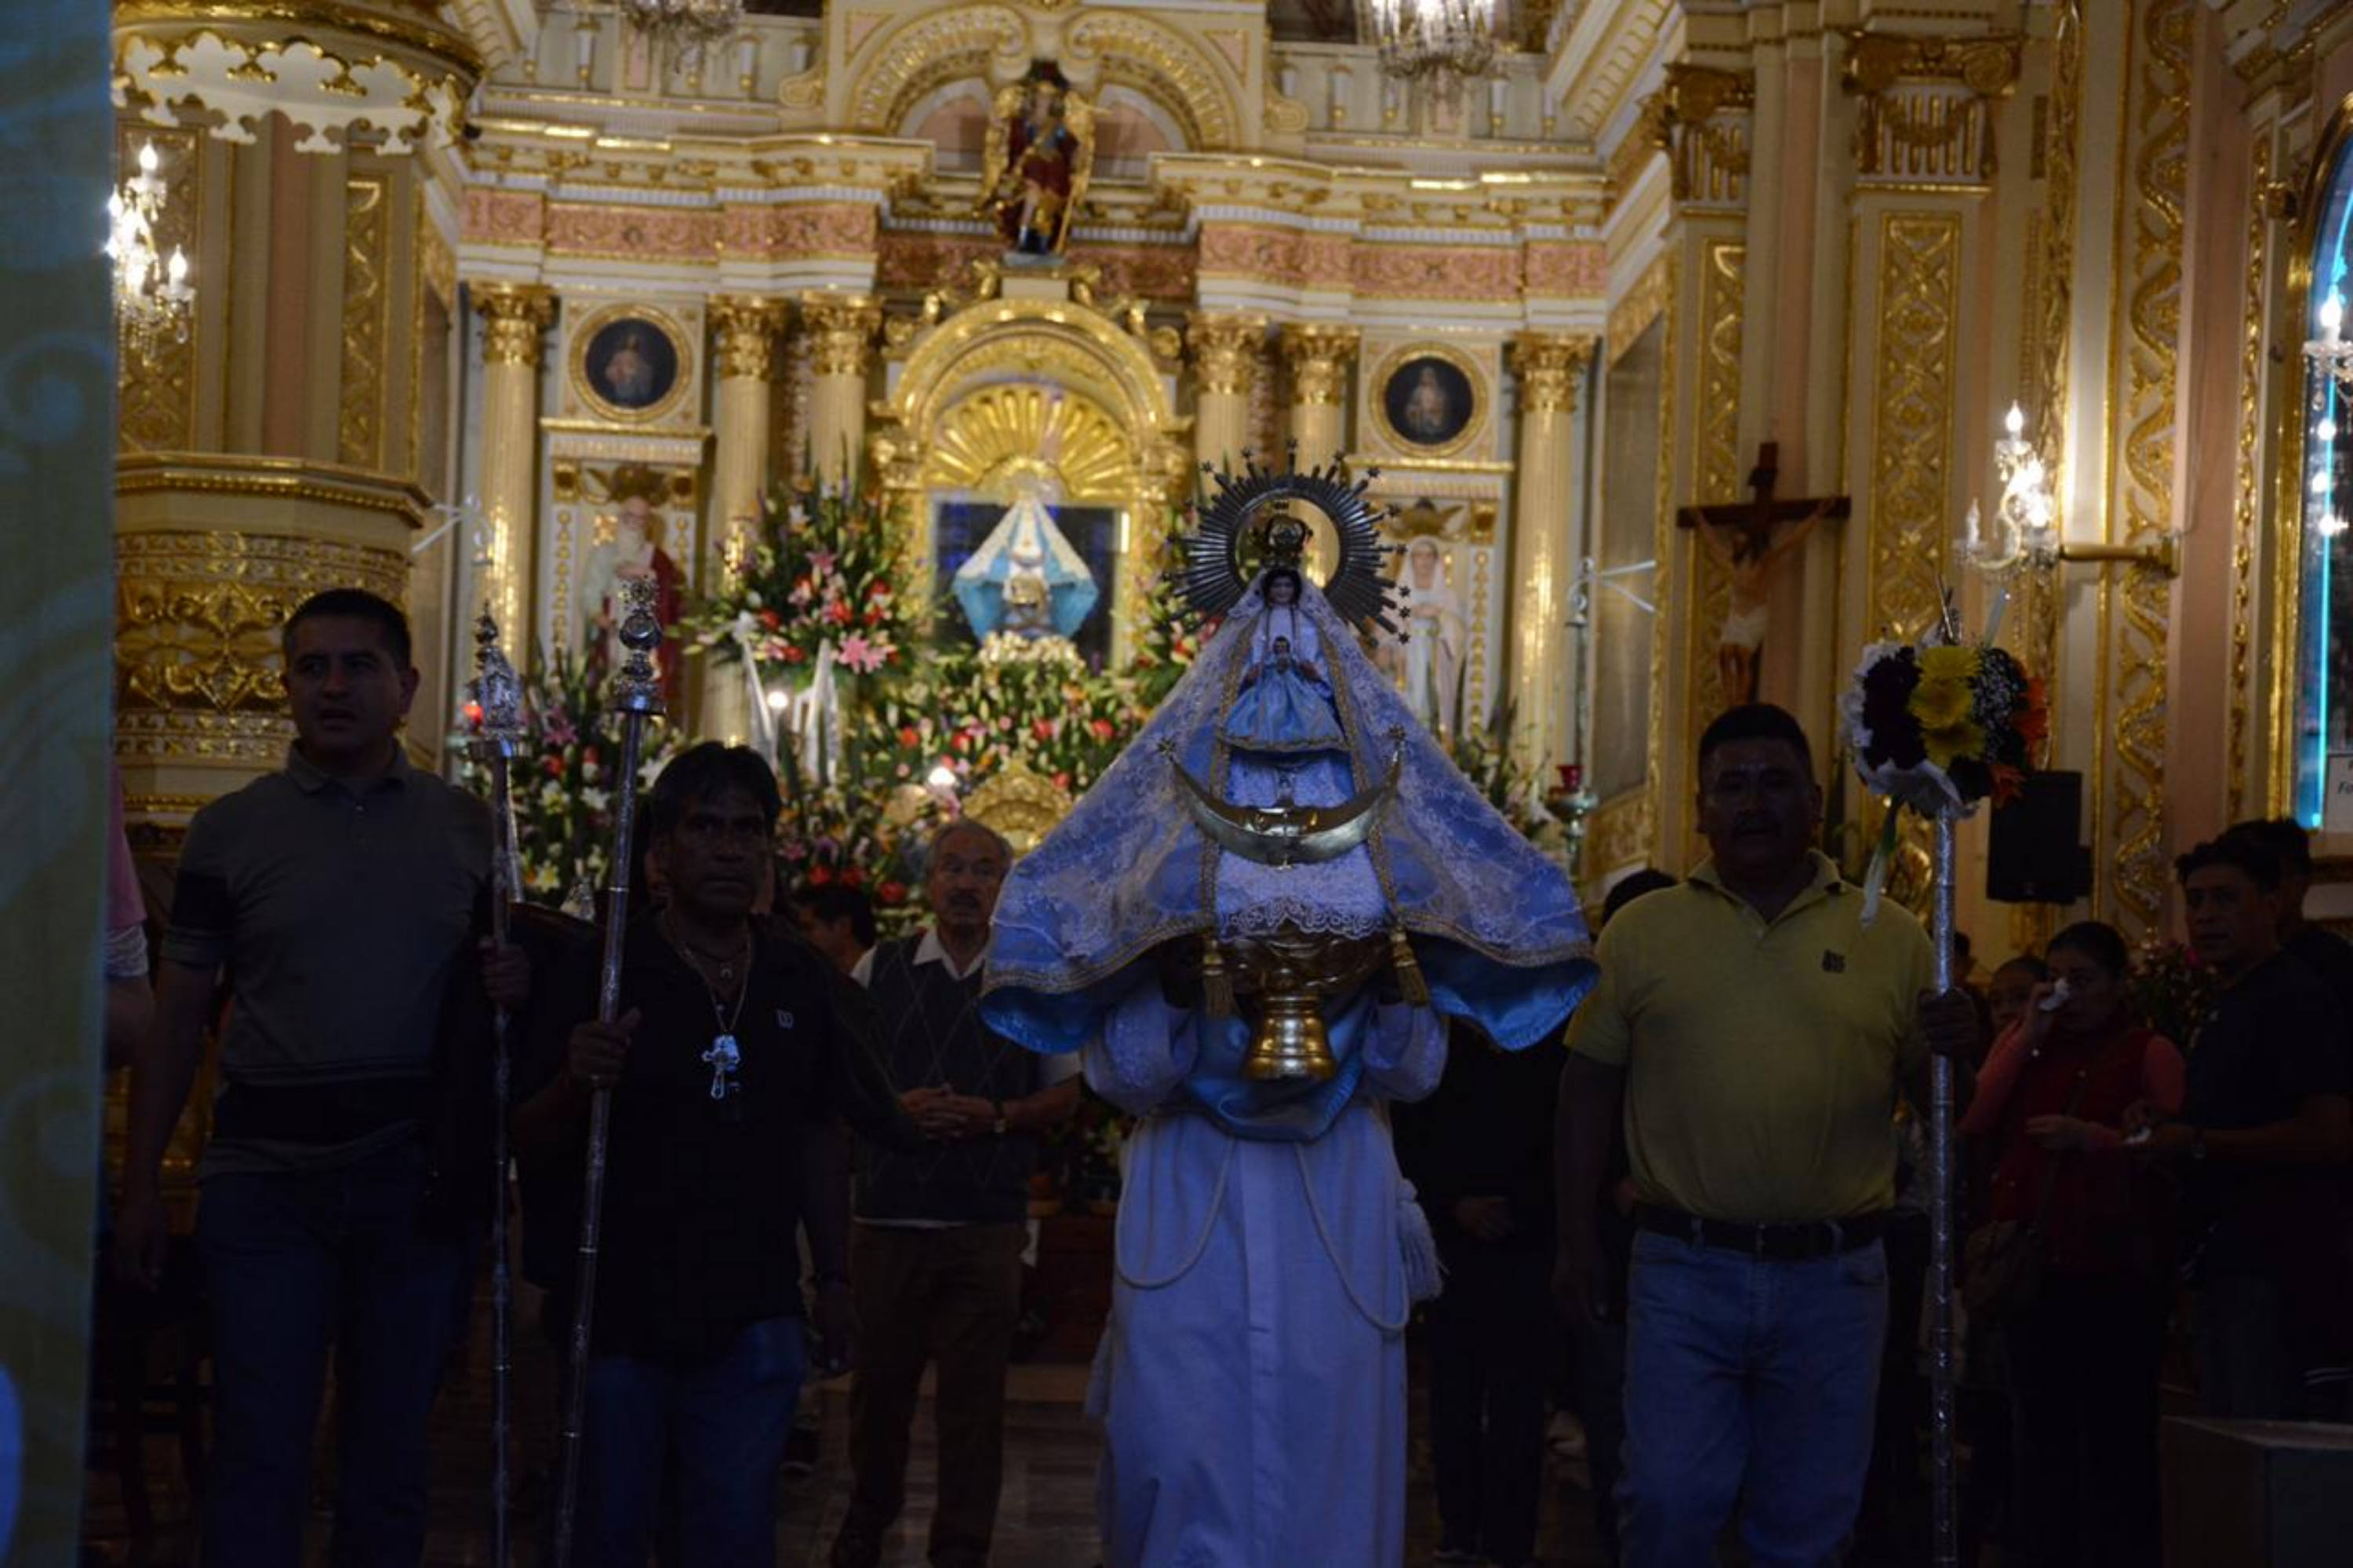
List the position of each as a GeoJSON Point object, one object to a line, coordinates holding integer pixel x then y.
{"type": "Point", "coordinates": [514, 315]}
{"type": "Point", "coordinates": [1927, 102]}
{"type": "Point", "coordinates": [744, 334]}
{"type": "Point", "coordinates": [198, 674]}
{"type": "Point", "coordinates": [1225, 352]}
{"type": "Point", "coordinates": [1716, 469]}
{"type": "Point", "coordinates": [1550, 368]}
{"type": "Point", "coordinates": [1702, 114]}
{"type": "Point", "coordinates": [2129, 817]}
{"type": "Point", "coordinates": [367, 252]}
{"type": "Point", "coordinates": [2246, 521]}
{"type": "Point", "coordinates": [1912, 422]}
{"type": "Point", "coordinates": [840, 331]}
{"type": "Point", "coordinates": [1317, 355]}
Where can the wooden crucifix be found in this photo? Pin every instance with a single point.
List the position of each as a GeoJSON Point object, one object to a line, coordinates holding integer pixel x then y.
{"type": "Point", "coordinates": [1749, 540]}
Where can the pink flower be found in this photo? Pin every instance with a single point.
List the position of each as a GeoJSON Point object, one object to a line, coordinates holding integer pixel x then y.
{"type": "Point", "coordinates": [821, 561]}
{"type": "Point", "coordinates": [861, 655]}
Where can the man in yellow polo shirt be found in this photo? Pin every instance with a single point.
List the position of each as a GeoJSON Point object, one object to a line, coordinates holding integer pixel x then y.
{"type": "Point", "coordinates": [1753, 1034]}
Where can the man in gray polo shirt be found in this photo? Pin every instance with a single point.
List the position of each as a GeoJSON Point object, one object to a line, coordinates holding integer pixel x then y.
{"type": "Point", "coordinates": [341, 898]}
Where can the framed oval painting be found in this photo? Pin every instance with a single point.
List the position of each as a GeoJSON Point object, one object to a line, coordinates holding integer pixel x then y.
{"type": "Point", "coordinates": [1431, 400]}
{"type": "Point", "coordinates": [629, 363]}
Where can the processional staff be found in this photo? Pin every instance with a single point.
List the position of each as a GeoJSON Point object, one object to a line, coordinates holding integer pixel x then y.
{"type": "Point", "coordinates": [498, 699]}
{"type": "Point", "coordinates": [636, 697]}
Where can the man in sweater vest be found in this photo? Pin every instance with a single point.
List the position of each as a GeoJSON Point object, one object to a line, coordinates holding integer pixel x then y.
{"type": "Point", "coordinates": [935, 1256]}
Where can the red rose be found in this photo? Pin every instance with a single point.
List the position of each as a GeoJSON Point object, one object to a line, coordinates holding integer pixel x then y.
{"type": "Point", "coordinates": [851, 877]}
{"type": "Point", "coordinates": [769, 618]}
{"type": "Point", "coordinates": [819, 876]}
{"type": "Point", "coordinates": [1042, 728]}
{"type": "Point", "coordinates": [874, 615]}
{"type": "Point", "coordinates": [1062, 782]}
{"type": "Point", "coordinates": [838, 612]}
{"type": "Point", "coordinates": [890, 892]}
{"type": "Point", "coordinates": [878, 590]}
{"type": "Point", "coordinates": [793, 655]}
{"type": "Point", "coordinates": [1103, 727]}
{"type": "Point", "coordinates": [908, 737]}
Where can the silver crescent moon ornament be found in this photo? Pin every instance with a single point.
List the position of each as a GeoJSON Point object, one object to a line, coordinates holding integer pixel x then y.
{"type": "Point", "coordinates": [1210, 574]}
{"type": "Point", "coordinates": [1287, 835]}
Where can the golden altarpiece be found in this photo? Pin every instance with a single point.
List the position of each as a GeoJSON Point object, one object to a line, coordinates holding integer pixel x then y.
{"type": "Point", "coordinates": [496, 299]}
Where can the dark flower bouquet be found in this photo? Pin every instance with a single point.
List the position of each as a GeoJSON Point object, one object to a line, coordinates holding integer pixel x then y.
{"type": "Point", "coordinates": [1939, 726]}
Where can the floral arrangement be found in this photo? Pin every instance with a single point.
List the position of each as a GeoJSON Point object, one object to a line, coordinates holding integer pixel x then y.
{"type": "Point", "coordinates": [1939, 726]}
{"type": "Point", "coordinates": [832, 836]}
{"type": "Point", "coordinates": [1944, 725]}
{"type": "Point", "coordinates": [1484, 753]}
{"type": "Point", "coordinates": [562, 777]}
{"type": "Point", "coordinates": [975, 713]}
{"type": "Point", "coordinates": [2171, 988]}
{"type": "Point", "coordinates": [824, 573]}
{"type": "Point", "coordinates": [1171, 634]}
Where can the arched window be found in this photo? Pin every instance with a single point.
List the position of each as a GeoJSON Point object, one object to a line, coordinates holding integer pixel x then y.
{"type": "Point", "coordinates": [2321, 773]}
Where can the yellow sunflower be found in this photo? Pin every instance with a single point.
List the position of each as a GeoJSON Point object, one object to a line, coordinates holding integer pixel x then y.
{"type": "Point", "coordinates": [1938, 704]}
{"type": "Point", "coordinates": [1948, 661]}
{"type": "Point", "coordinates": [1945, 742]}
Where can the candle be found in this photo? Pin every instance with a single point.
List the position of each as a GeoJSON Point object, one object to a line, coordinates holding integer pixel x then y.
{"type": "Point", "coordinates": [1970, 524]}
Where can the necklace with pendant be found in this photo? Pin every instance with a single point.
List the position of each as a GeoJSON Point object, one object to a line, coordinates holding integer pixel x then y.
{"type": "Point", "coordinates": [725, 1056]}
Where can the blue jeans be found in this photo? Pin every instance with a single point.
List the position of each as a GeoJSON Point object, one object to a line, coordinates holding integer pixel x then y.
{"type": "Point", "coordinates": [294, 1263]}
{"type": "Point", "coordinates": [718, 1428]}
{"type": "Point", "coordinates": [1748, 1382]}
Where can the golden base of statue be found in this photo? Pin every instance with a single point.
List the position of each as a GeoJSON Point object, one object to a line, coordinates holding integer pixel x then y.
{"type": "Point", "coordinates": [1283, 980]}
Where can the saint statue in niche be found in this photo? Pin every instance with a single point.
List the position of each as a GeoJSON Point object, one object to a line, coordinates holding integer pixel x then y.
{"type": "Point", "coordinates": [1424, 658]}
{"type": "Point", "coordinates": [633, 551]}
{"type": "Point", "coordinates": [1026, 580]}
{"type": "Point", "coordinates": [1035, 163]}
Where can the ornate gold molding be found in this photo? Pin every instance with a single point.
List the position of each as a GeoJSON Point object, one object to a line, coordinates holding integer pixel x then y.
{"type": "Point", "coordinates": [1715, 472]}
{"type": "Point", "coordinates": [1642, 304]}
{"type": "Point", "coordinates": [1703, 115]}
{"type": "Point", "coordinates": [840, 331]}
{"type": "Point", "coordinates": [360, 389]}
{"type": "Point", "coordinates": [1551, 368]}
{"type": "Point", "coordinates": [2129, 820]}
{"type": "Point", "coordinates": [514, 315]}
{"type": "Point", "coordinates": [744, 332]}
{"type": "Point", "coordinates": [2247, 504]}
{"type": "Point", "coordinates": [198, 673]}
{"type": "Point", "coordinates": [1317, 355]}
{"type": "Point", "coordinates": [393, 69]}
{"type": "Point", "coordinates": [1131, 49]}
{"type": "Point", "coordinates": [1225, 350]}
{"type": "Point", "coordinates": [1927, 102]}
{"type": "Point", "coordinates": [1001, 432]}
{"type": "Point", "coordinates": [933, 49]}
{"type": "Point", "coordinates": [276, 479]}
{"type": "Point", "coordinates": [1911, 419]}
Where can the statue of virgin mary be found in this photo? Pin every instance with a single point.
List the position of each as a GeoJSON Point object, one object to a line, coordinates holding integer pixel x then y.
{"type": "Point", "coordinates": [1027, 578]}
{"type": "Point", "coordinates": [1284, 838]}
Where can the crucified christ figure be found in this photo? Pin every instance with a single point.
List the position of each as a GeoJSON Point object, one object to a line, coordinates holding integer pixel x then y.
{"type": "Point", "coordinates": [1749, 539]}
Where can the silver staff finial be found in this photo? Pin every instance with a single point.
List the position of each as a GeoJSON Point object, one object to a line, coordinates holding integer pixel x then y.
{"type": "Point", "coordinates": [637, 688]}
{"type": "Point", "coordinates": [498, 691]}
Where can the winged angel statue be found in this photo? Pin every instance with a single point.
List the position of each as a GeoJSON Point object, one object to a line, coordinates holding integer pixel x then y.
{"type": "Point", "coordinates": [1035, 163]}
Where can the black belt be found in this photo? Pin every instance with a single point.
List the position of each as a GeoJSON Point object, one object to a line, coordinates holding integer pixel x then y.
{"type": "Point", "coordinates": [320, 1114]}
{"type": "Point", "coordinates": [1815, 1238]}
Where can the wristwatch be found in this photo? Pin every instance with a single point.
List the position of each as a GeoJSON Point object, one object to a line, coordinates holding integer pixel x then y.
{"type": "Point", "coordinates": [1001, 1125]}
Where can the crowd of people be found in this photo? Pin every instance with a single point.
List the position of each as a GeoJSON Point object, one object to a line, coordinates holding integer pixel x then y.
{"type": "Point", "coordinates": [1697, 1225]}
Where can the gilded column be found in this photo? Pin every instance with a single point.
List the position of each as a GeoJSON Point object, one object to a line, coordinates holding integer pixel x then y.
{"type": "Point", "coordinates": [1318, 356]}
{"type": "Point", "coordinates": [515, 318]}
{"type": "Point", "coordinates": [1225, 350]}
{"type": "Point", "coordinates": [1550, 369]}
{"type": "Point", "coordinates": [276, 449]}
{"type": "Point", "coordinates": [743, 337]}
{"type": "Point", "coordinates": [840, 328]}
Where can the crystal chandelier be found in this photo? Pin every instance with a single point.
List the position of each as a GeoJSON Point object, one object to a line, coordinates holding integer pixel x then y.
{"type": "Point", "coordinates": [1446, 40]}
{"type": "Point", "coordinates": [150, 293]}
{"type": "Point", "coordinates": [687, 25]}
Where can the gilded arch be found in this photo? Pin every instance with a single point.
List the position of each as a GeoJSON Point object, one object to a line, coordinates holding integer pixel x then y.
{"type": "Point", "coordinates": [1044, 386]}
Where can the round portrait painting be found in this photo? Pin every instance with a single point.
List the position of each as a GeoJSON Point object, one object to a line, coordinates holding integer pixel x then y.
{"type": "Point", "coordinates": [631, 363]}
{"type": "Point", "coordinates": [1429, 401]}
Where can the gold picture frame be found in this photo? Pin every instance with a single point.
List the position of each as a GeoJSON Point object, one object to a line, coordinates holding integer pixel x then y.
{"type": "Point", "coordinates": [1423, 369]}
{"type": "Point", "coordinates": [631, 363]}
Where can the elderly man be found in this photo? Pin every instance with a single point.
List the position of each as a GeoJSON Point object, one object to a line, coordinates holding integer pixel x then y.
{"type": "Point", "coordinates": [1753, 1032]}
{"type": "Point", "coordinates": [936, 1252]}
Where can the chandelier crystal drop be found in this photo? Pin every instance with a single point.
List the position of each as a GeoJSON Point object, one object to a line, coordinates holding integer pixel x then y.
{"type": "Point", "coordinates": [152, 292]}
{"type": "Point", "coordinates": [1444, 40]}
{"type": "Point", "coordinates": [686, 24]}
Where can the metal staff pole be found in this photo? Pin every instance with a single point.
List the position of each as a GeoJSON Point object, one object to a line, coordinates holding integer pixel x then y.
{"type": "Point", "coordinates": [637, 696]}
{"type": "Point", "coordinates": [1944, 1504]}
{"type": "Point", "coordinates": [498, 696]}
